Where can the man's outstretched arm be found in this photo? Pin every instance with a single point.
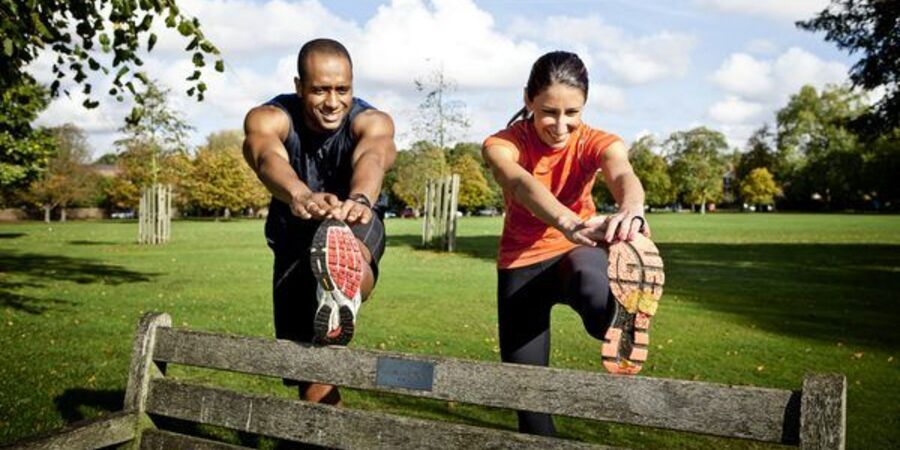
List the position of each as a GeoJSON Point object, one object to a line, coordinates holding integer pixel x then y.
{"type": "Point", "coordinates": [265, 129]}
{"type": "Point", "coordinates": [374, 154]}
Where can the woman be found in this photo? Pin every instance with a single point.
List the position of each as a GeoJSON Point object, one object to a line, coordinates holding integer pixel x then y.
{"type": "Point", "coordinates": [553, 248]}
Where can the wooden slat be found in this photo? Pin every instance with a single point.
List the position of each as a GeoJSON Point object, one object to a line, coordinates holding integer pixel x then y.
{"type": "Point", "coordinates": [329, 426]}
{"type": "Point", "coordinates": [754, 413]}
{"type": "Point", "coordinates": [823, 412]}
{"type": "Point", "coordinates": [98, 433]}
{"type": "Point", "coordinates": [165, 440]}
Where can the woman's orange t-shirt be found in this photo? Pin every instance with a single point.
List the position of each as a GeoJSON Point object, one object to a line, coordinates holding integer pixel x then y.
{"type": "Point", "coordinates": [568, 173]}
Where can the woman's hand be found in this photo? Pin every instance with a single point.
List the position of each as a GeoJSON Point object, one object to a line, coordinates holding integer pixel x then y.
{"type": "Point", "coordinates": [623, 225]}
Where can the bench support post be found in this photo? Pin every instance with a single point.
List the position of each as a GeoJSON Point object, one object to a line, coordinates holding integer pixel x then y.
{"type": "Point", "coordinates": [142, 368]}
{"type": "Point", "coordinates": [823, 412]}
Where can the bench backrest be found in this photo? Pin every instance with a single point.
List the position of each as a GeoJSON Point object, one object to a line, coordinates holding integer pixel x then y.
{"type": "Point", "coordinates": [813, 417]}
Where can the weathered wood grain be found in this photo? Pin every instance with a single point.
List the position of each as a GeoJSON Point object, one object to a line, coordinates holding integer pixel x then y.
{"type": "Point", "coordinates": [142, 366]}
{"type": "Point", "coordinates": [327, 425]}
{"type": "Point", "coordinates": [165, 440]}
{"type": "Point", "coordinates": [823, 412]}
{"type": "Point", "coordinates": [114, 429]}
{"type": "Point", "coordinates": [754, 413]}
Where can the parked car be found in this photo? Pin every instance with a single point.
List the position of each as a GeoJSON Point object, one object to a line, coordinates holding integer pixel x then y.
{"type": "Point", "coordinates": [408, 213]}
{"type": "Point", "coordinates": [490, 212]}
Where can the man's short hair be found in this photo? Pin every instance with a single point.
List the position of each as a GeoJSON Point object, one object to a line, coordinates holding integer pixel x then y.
{"type": "Point", "coordinates": [324, 46]}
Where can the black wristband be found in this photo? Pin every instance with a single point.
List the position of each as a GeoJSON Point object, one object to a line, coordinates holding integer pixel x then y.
{"type": "Point", "coordinates": [361, 199]}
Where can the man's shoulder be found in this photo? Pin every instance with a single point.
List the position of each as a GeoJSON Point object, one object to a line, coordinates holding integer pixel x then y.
{"type": "Point", "coordinates": [367, 116]}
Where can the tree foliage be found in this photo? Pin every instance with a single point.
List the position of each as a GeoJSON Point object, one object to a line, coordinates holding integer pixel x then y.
{"type": "Point", "coordinates": [413, 168]}
{"type": "Point", "coordinates": [697, 164]}
{"type": "Point", "coordinates": [653, 172]}
{"type": "Point", "coordinates": [24, 152]}
{"type": "Point", "coordinates": [759, 188]}
{"type": "Point", "coordinates": [158, 132]}
{"type": "Point", "coordinates": [820, 155]}
{"type": "Point", "coordinates": [219, 180]}
{"type": "Point", "coordinates": [66, 180]}
{"type": "Point", "coordinates": [870, 27]}
{"type": "Point", "coordinates": [474, 191]}
{"type": "Point", "coordinates": [73, 29]}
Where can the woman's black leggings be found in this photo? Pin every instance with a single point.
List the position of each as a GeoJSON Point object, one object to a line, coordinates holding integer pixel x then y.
{"type": "Point", "coordinates": [525, 296]}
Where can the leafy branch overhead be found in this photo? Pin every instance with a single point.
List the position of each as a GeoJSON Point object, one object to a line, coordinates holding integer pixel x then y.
{"type": "Point", "coordinates": [74, 28]}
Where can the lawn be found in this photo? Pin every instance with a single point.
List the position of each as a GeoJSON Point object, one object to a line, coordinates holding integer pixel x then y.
{"type": "Point", "coordinates": [750, 299]}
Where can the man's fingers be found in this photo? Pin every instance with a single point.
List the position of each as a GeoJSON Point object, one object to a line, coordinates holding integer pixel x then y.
{"type": "Point", "coordinates": [332, 200]}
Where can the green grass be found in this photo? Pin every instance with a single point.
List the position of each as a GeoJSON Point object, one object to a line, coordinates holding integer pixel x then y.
{"type": "Point", "coordinates": [750, 299]}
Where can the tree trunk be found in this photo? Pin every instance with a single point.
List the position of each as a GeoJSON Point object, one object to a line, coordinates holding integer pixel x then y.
{"type": "Point", "coordinates": [62, 214]}
{"type": "Point", "coordinates": [47, 214]}
{"type": "Point", "coordinates": [703, 204]}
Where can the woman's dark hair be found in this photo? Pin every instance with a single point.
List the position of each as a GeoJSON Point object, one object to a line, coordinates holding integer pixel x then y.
{"type": "Point", "coordinates": [554, 67]}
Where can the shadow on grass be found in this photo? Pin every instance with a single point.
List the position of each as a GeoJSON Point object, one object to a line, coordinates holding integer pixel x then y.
{"type": "Point", "coordinates": [83, 242]}
{"type": "Point", "coordinates": [11, 235]}
{"type": "Point", "coordinates": [73, 403]}
{"type": "Point", "coordinates": [827, 292]}
{"type": "Point", "coordinates": [35, 271]}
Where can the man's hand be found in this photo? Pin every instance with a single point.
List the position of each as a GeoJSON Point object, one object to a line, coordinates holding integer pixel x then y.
{"type": "Point", "coordinates": [314, 205]}
{"type": "Point", "coordinates": [352, 211]}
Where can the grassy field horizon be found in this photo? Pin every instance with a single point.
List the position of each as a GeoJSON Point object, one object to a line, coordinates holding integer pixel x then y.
{"type": "Point", "coordinates": [750, 299]}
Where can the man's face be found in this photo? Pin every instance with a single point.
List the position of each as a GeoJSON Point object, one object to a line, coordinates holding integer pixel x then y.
{"type": "Point", "coordinates": [327, 91]}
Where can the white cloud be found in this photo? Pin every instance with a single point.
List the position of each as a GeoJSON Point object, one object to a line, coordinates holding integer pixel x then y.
{"type": "Point", "coordinates": [606, 99]}
{"type": "Point", "coordinates": [662, 55]}
{"type": "Point", "coordinates": [762, 46]}
{"type": "Point", "coordinates": [755, 88]}
{"type": "Point", "coordinates": [783, 10]}
{"type": "Point", "coordinates": [632, 59]}
{"type": "Point", "coordinates": [745, 75]}
{"type": "Point", "coordinates": [734, 110]}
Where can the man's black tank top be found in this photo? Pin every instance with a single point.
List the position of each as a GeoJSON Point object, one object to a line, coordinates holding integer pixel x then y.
{"type": "Point", "coordinates": [323, 161]}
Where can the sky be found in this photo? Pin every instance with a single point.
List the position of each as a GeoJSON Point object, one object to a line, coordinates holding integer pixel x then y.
{"type": "Point", "coordinates": [655, 66]}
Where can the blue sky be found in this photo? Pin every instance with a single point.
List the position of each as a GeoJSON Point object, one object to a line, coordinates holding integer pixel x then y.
{"type": "Point", "coordinates": [655, 66]}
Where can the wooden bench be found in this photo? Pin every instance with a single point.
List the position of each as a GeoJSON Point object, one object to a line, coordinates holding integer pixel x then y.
{"type": "Point", "coordinates": [811, 418]}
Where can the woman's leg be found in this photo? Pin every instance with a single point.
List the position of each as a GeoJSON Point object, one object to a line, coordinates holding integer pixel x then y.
{"type": "Point", "coordinates": [524, 299]}
{"type": "Point", "coordinates": [585, 286]}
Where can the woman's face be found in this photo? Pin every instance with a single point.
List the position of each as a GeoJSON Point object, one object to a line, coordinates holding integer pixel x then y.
{"type": "Point", "coordinates": [557, 113]}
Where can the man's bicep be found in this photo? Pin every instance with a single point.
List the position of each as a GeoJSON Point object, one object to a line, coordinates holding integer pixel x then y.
{"type": "Point", "coordinates": [375, 131]}
{"type": "Point", "coordinates": [264, 130]}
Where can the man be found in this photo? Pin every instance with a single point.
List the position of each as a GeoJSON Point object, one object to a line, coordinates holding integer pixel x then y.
{"type": "Point", "coordinates": [322, 154]}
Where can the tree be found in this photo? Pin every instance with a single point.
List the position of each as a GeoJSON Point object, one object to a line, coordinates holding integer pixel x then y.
{"type": "Point", "coordinates": [440, 120]}
{"type": "Point", "coordinates": [697, 164]}
{"type": "Point", "coordinates": [72, 29]}
{"type": "Point", "coordinates": [159, 128]}
{"type": "Point", "coordinates": [24, 152]}
{"type": "Point", "coordinates": [760, 153]}
{"type": "Point", "coordinates": [474, 191]}
{"type": "Point", "coordinates": [759, 188]}
{"type": "Point", "coordinates": [870, 27]}
{"type": "Point", "coordinates": [67, 179]}
{"type": "Point", "coordinates": [653, 172]}
{"type": "Point", "coordinates": [413, 168]}
{"type": "Point", "coordinates": [474, 150]}
{"type": "Point", "coordinates": [220, 180]}
{"type": "Point", "coordinates": [819, 154]}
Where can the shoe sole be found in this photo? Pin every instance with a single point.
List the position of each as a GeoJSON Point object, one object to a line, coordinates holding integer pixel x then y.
{"type": "Point", "coordinates": [337, 265]}
{"type": "Point", "coordinates": [636, 279]}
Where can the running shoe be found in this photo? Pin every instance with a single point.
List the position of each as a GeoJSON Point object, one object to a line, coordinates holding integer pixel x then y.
{"type": "Point", "coordinates": [337, 264]}
{"type": "Point", "coordinates": [636, 280]}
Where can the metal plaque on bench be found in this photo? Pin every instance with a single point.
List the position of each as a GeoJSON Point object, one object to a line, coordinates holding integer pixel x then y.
{"type": "Point", "coordinates": [395, 372]}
